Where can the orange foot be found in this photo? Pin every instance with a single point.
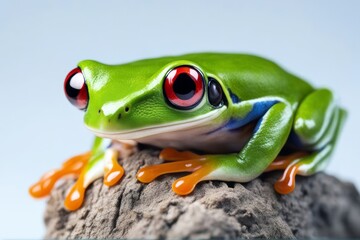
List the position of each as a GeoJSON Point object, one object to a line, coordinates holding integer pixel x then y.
{"type": "Point", "coordinates": [199, 165]}
{"type": "Point", "coordinates": [107, 165]}
{"type": "Point", "coordinates": [73, 166]}
{"type": "Point", "coordinates": [286, 184]}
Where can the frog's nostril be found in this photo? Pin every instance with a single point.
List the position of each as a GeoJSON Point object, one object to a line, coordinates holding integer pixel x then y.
{"type": "Point", "coordinates": [99, 111]}
{"type": "Point", "coordinates": [127, 109]}
{"type": "Point", "coordinates": [119, 116]}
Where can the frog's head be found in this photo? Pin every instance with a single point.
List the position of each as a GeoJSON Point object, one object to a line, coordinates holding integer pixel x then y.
{"type": "Point", "coordinates": [145, 98]}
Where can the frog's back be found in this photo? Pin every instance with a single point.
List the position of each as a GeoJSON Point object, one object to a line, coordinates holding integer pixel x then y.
{"type": "Point", "coordinates": [247, 76]}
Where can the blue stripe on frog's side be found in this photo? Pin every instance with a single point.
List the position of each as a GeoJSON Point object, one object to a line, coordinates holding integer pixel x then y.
{"type": "Point", "coordinates": [258, 110]}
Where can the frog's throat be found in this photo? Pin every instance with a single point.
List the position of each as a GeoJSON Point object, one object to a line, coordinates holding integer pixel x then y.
{"type": "Point", "coordinates": [134, 134]}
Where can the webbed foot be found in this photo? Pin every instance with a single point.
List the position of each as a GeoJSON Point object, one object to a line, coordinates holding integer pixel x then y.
{"type": "Point", "coordinates": [199, 165]}
{"type": "Point", "coordinates": [104, 164]}
{"type": "Point", "coordinates": [73, 166]}
{"type": "Point", "coordinates": [87, 167]}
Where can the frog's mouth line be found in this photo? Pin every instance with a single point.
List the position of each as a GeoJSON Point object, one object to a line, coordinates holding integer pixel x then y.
{"type": "Point", "coordinates": [160, 129]}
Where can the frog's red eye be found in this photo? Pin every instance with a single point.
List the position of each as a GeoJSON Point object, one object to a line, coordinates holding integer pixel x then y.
{"type": "Point", "coordinates": [76, 89]}
{"type": "Point", "coordinates": [184, 87]}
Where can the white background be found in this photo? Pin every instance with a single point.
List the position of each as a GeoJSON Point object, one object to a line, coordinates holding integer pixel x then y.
{"type": "Point", "coordinates": [40, 41]}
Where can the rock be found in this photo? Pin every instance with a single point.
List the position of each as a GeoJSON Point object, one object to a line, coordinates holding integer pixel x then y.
{"type": "Point", "coordinates": [320, 206]}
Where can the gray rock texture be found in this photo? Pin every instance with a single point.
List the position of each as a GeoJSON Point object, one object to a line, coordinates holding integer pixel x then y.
{"type": "Point", "coordinates": [320, 206]}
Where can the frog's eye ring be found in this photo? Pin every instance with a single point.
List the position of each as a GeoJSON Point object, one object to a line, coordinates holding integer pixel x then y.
{"type": "Point", "coordinates": [76, 90]}
{"type": "Point", "coordinates": [184, 87]}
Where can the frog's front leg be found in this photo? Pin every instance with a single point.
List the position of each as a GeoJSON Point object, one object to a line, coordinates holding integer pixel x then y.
{"type": "Point", "coordinates": [268, 138]}
{"type": "Point", "coordinates": [102, 161]}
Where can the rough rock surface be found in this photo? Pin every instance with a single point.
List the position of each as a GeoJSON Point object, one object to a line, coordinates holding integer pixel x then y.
{"type": "Point", "coordinates": [320, 206]}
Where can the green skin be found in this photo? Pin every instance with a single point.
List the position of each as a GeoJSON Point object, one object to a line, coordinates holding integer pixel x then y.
{"type": "Point", "coordinates": [125, 100]}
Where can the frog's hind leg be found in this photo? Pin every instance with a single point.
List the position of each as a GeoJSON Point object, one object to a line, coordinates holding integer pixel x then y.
{"type": "Point", "coordinates": [320, 147]}
{"type": "Point", "coordinates": [313, 119]}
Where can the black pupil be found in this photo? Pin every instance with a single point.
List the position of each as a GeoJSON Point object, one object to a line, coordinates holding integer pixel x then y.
{"type": "Point", "coordinates": [184, 87]}
{"type": "Point", "coordinates": [71, 91]}
{"type": "Point", "coordinates": [215, 93]}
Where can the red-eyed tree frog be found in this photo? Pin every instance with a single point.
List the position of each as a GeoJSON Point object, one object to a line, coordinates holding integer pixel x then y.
{"type": "Point", "coordinates": [219, 116]}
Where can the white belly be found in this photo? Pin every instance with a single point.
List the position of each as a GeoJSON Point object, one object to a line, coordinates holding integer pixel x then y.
{"type": "Point", "coordinates": [199, 139]}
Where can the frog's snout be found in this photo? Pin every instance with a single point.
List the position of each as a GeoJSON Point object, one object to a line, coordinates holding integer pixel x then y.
{"type": "Point", "coordinates": [115, 117]}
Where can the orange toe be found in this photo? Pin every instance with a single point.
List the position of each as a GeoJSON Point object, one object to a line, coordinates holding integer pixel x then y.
{"type": "Point", "coordinates": [185, 185]}
{"type": "Point", "coordinates": [113, 175]}
{"type": "Point", "coordinates": [75, 198]}
{"type": "Point", "coordinates": [113, 170]}
{"type": "Point", "coordinates": [286, 184]}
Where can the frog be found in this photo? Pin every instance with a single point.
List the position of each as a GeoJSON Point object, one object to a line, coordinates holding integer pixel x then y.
{"type": "Point", "coordinates": [215, 116]}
